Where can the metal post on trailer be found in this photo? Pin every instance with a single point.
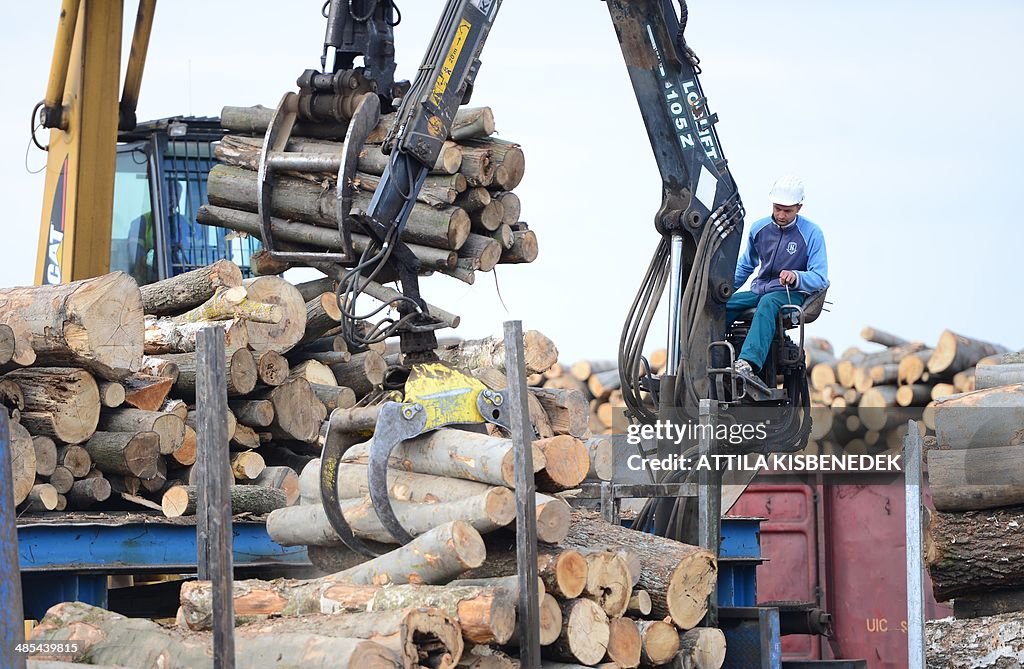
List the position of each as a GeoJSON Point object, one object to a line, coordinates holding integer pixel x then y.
{"type": "Point", "coordinates": [526, 501]}
{"type": "Point", "coordinates": [709, 495]}
{"type": "Point", "coordinates": [213, 528]}
{"type": "Point", "coordinates": [12, 616]}
{"type": "Point", "coordinates": [912, 456]}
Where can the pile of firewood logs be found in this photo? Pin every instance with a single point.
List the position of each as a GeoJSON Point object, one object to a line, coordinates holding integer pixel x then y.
{"type": "Point", "coordinates": [117, 416]}
{"type": "Point", "coordinates": [466, 218]}
{"type": "Point", "coordinates": [973, 546]}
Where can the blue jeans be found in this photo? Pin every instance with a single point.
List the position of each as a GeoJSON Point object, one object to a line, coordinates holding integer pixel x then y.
{"type": "Point", "coordinates": [762, 329]}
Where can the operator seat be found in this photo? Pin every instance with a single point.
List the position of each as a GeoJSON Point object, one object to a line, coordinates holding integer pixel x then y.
{"type": "Point", "coordinates": [789, 317]}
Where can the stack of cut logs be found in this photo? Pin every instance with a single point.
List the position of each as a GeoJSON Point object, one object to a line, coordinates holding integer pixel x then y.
{"type": "Point", "coordinates": [466, 218]}
{"type": "Point", "coordinates": [973, 544]}
{"type": "Point", "coordinates": [598, 382]}
{"type": "Point", "coordinates": [101, 387]}
{"type": "Point", "coordinates": [608, 594]}
{"type": "Point", "coordinates": [871, 395]}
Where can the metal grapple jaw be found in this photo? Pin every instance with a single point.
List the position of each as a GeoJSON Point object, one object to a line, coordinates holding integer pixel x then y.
{"type": "Point", "coordinates": [437, 396]}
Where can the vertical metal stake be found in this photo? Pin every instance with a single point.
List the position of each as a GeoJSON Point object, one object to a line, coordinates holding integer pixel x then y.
{"type": "Point", "coordinates": [709, 497]}
{"type": "Point", "coordinates": [526, 503]}
{"type": "Point", "coordinates": [12, 613]}
{"type": "Point", "coordinates": [215, 490]}
{"type": "Point", "coordinates": [912, 455]}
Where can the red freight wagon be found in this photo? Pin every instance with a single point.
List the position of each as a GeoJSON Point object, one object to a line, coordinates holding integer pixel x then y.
{"type": "Point", "coordinates": [843, 546]}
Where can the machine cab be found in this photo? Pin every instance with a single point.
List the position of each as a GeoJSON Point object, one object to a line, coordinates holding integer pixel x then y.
{"type": "Point", "coordinates": [159, 185]}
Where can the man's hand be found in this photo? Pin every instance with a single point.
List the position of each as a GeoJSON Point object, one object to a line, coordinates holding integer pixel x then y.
{"type": "Point", "coordinates": [787, 278]}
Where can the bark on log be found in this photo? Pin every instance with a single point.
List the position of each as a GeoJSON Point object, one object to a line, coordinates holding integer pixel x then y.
{"type": "Point", "coordinates": [45, 454]}
{"type": "Point", "coordinates": [975, 551]}
{"type": "Point", "coordinates": [169, 428]}
{"type": "Point", "coordinates": [566, 463]}
{"type": "Point", "coordinates": [417, 636]}
{"type": "Point", "coordinates": [976, 478]}
{"type": "Point", "coordinates": [297, 412]}
{"type": "Point", "coordinates": [881, 337]}
{"type": "Point", "coordinates": [307, 202]}
{"type": "Point", "coordinates": [702, 648]}
{"type": "Point", "coordinates": [190, 289]}
{"type": "Point", "coordinates": [439, 190]}
{"type": "Point", "coordinates": [991, 376]}
{"type": "Point", "coordinates": [362, 373]}
{"type": "Point", "coordinates": [302, 233]}
{"type": "Point", "coordinates": [239, 371]}
{"type": "Point", "coordinates": [679, 577]}
{"type": "Point", "coordinates": [23, 462]}
{"type": "Point", "coordinates": [602, 462]}
{"type": "Point", "coordinates": [488, 218]}
{"type": "Point", "coordinates": [472, 122]}
{"type": "Point", "coordinates": [282, 478]}
{"type": "Point", "coordinates": [624, 643]}
{"type": "Point", "coordinates": [23, 354]}
{"type": "Point", "coordinates": [159, 367]}
{"type": "Point", "coordinates": [955, 352]}
{"type": "Point", "coordinates": [230, 303]}
{"type": "Point", "coordinates": [990, 642]}
{"type": "Point", "coordinates": [334, 397]}
{"type": "Point", "coordinates": [434, 557]}
{"type": "Point", "coordinates": [254, 413]}
{"type": "Point", "coordinates": [62, 479]}
{"type": "Point", "coordinates": [95, 324]}
{"type": "Point", "coordinates": [308, 524]}
{"type": "Point", "coordinates": [402, 486]}
{"type": "Point", "coordinates": [540, 353]}
{"type": "Point", "coordinates": [453, 453]}
{"type": "Point", "coordinates": [525, 248]}
{"type": "Point", "coordinates": [165, 335]}
{"type": "Point", "coordinates": [659, 642]}
{"type": "Point", "coordinates": [508, 158]}
{"type": "Point", "coordinates": [181, 500]}
{"type": "Point", "coordinates": [480, 253]}
{"type": "Point", "coordinates": [125, 453]}
{"type": "Point", "coordinates": [86, 492]}
{"type": "Point", "coordinates": [322, 316]}
{"type": "Point", "coordinates": [486, 615]}
{"type": "Point", "coordinates": [567, 410]}
{"type": "Point", "coordinates": [991, 417]}
{"type": "Point", "coordinates": [107, 637]}
{"type": "Point", "coordinates": [584, 635]}
{"type": "Point", "coordinates": [918, 394]}
{"type": "Point", "coordinates": [60, 402]}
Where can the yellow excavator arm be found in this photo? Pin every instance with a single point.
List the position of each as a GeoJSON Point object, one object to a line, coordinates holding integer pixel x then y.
{"type": "Point", "coordinates": [82, 112]}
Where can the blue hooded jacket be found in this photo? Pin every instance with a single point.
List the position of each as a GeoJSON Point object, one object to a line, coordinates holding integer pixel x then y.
{"type": "Point", "coordinates": [798, 247]}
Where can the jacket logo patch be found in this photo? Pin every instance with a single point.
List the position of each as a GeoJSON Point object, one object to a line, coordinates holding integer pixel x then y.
{"type": "Point", "coordinates": [791, 248]}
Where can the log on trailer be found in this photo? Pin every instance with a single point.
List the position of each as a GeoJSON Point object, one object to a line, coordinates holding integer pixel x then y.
{"type": "Point", "coordinates": [102, 636]}
{"type": "Point", "coordinates": [95, 323]}
{"type": "Point", "coordinates": [974, 551]}
{"type": "Point", "coordinates": [678, 577]}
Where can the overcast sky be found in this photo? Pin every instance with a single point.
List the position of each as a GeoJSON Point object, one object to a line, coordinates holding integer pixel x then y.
{"type": "Point", "coordinates": [902, 117]}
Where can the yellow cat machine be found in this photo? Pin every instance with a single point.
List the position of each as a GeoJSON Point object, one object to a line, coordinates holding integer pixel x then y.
{"type": "Point", "coordinates": [119, 195]}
